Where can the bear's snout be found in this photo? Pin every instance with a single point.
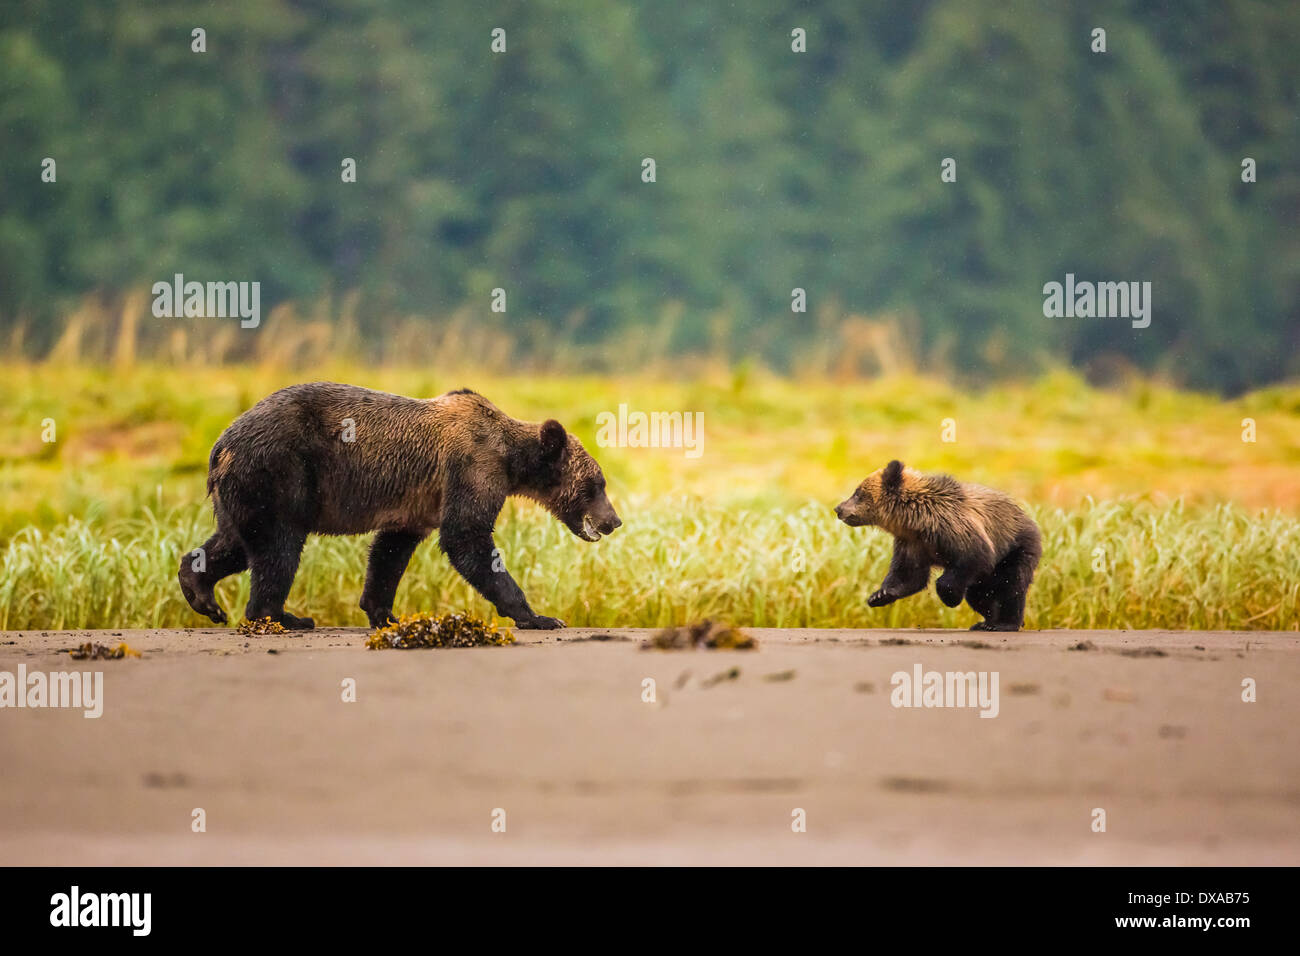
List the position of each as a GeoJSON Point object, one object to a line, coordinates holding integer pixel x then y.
{"type": "Point", "coordinates": [598, 520]}
{"type": "Point", "coordinates": [847, 512]}
{"type": "Point", "coordinates": [604, 517]}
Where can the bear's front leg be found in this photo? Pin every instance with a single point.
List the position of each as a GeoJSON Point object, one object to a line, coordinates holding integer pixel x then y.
{"type": "Point", "coordinates": [909, 572]}
{"type": "Point", "coordinates": [470, 549]}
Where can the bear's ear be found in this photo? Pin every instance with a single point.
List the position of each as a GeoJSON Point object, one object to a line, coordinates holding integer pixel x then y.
{"type": "Point", "coordinates": [554, 440]}
{"type": "Point", "coordinates": [892, 478]}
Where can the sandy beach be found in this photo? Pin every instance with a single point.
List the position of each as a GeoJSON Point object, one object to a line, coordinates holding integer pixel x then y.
{"type": "Point", "coordinates": [556, 741]}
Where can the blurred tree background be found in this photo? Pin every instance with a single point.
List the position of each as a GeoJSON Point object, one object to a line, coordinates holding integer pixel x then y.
{"type": "Point", "coordinates": [775, 170]}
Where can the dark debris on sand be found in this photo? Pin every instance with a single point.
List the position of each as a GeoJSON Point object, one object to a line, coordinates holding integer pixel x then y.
{"type": "Point", "coordinates": [261, 627]}
{"type": "Point", "coordinates": [450, 630]}
{"type": "Point", "coordinates": [95, 651]}
{"type": "Point", "coordinates": [702, 635]}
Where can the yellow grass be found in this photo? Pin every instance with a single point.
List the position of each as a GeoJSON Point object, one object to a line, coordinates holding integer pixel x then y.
{"type": "Point", "coordinates": [1188, 524]}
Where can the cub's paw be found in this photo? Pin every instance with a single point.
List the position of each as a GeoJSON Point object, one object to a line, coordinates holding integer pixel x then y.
{"type": "Point", "coordinates": [539, 623]}
{"type": "Point", "coordinates": [949, 594]}
{"type": "Point", "coordinates": [986, 626]}
{"type": "Point", "coordinates": [881, 598]}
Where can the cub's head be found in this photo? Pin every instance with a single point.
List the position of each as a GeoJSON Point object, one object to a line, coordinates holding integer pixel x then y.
{"type": "Point", "coordinates": [572, 486]}
{"type": "Point", "coordinates": [863, 506]}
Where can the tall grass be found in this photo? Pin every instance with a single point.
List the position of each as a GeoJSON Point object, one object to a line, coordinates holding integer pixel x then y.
{"type": "Point", "coordinates": [133, 439]}
{"type": "Point", "coordinates": [119, 330]}
{"type": "Point", "coordinates": [1115, 564]}
{"type": "Point", "coordinates": [1156, 512]}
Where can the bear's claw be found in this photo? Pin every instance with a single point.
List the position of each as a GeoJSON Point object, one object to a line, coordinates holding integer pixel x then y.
{"type": "Point", "coordinates": [539, 623]}
{"type": "Point", "coordinates": [205, 604]}
{"type": "Point", "coordinates": [381, 618]}
{"type": "Point", "coordinates": [294, 623]}
{"type": "Point", "coordinates": [880, 598]}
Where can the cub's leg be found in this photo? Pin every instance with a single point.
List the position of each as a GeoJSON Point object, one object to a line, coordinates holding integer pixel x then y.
{"type": "Point", "coordinates": [220, 556]}
{"type": "Point", "coordinates": [389, 554]}
{"type": "Point", "coordinates": [274, 549]}
{"type": "Point", "coordinates": [909, 572]}
{"type": "Point", "coordinates": [983, 598]}
{"type": "Point", "coordinates": [955, 581]}
{"type": "Point", "coordinates": [1000, 597]}
{"type": "Point", "coordinates": [969, 556]}
{"type": "Point", "coordinates": [1014, 587]}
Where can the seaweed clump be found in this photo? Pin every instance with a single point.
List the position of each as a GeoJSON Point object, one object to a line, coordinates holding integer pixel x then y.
{"type": "Point", "coordinates": [450, 630]}
{"type": "Point", "coordinates": [94, 651]}
{"type": "Point", "coordinates": [263, 625]}
{"type": "Point", "coordinates": [702, 635]}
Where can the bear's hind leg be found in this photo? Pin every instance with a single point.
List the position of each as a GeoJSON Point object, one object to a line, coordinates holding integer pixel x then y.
{"type": "Point", "coordinates": [219, 557]}
{"type": "Point", "coordinates": [1012, 616]}
{"type": "Point", "coordinates": [389, 554]}
{"type": "Point", "coordinates": [1006, 590]}
{"type": "Point", "coordinates": [982, 596]}
{"type": "Point", "coordinates": [273, 554]}
{"type": "Point", "coordinates": [1013, 588]}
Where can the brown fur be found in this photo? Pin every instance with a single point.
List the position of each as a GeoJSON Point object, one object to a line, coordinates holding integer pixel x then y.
{"type": "Point", "coordinates": [325, 458]}
{"type": "Point", "coordinates": [985, 542]}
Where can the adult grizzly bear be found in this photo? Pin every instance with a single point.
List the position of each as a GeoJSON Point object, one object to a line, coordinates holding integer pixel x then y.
{"type": "Point", "coordinates": [987, 546]}
{"type": "Point", "coordinates": [325, 458]}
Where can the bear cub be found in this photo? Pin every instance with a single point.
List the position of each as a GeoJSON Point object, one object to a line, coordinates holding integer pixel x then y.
{"type": "Point", "coordinates": [324, 458]}
{"type": "Point", "coordinates": [986, 544]}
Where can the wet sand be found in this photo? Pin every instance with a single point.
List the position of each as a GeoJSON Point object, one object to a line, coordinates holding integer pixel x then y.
{"type": "Point", "coordinates": [1148, 726]}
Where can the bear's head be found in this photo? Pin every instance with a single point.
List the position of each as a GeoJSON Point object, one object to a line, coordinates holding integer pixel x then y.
{"type": "Point", "coordinates": [863, 506]}
{"type": "Point", "coordinates": [571, 485]}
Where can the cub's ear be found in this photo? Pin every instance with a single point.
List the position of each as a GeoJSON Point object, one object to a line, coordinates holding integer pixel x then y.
{"type": "Point", "coordinates": [554, 440]}
{"type": "Point", "coordinates": [892, 478]}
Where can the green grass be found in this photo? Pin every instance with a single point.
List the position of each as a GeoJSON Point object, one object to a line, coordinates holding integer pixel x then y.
{"type": "Point", "coordinates": [1197, 528]}
{"type": "Point", "coordinates": [1118, 564]}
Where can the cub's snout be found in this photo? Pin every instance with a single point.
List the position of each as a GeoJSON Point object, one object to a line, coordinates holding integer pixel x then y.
{"type": "Point", "coordinates": [852, 512]}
